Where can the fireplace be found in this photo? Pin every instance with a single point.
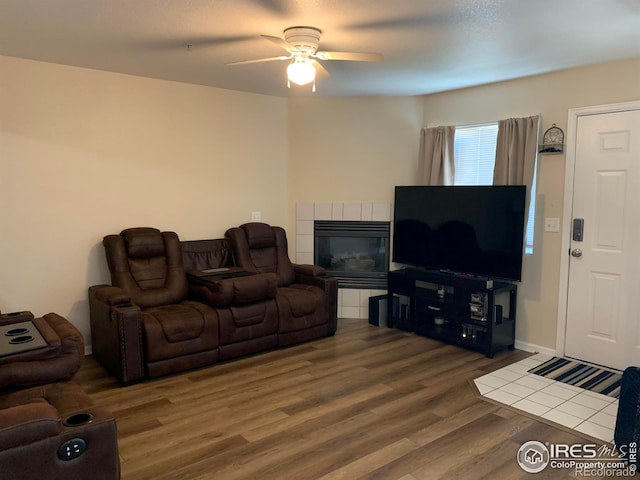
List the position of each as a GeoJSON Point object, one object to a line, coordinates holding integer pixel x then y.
{"type": "Point", "coordinates": [355, 252]}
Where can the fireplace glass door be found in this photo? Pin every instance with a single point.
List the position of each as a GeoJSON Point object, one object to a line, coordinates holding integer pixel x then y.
{"type": "Point", "coordinates": [356, 252]}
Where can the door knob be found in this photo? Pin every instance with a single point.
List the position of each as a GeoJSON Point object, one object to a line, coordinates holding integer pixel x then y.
{"type": "Point", "coordinates": [576, 252]}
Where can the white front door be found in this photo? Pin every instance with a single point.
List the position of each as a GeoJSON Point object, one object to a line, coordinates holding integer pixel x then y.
{"type": "Point", "coordinates": [603, 296]}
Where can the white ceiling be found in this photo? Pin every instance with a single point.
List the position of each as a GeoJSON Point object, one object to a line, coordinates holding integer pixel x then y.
{"type": "Point", "coordinates": [428, 45]}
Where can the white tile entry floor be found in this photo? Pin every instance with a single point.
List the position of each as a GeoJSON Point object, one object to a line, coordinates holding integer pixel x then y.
{"type": "Point", "coordinates": [591, 413]}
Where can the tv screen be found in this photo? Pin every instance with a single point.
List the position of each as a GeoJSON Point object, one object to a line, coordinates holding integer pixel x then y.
{"type": "Point", "coordinates": [467, 229]}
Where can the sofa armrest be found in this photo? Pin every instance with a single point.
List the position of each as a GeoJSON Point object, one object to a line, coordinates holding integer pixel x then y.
{"type": "Point", "coordinates": [235, 291]}
{"type": "Point", "coordinates": [315, 275]}
{"type": "Point", "coordinates": [32, 434]}
{"type": "Point", "coordinates": [309, 270]}
{"type": "Point", "coordinates": [58, 361]}
{"type": "Point", "coordinates": [116, 333]}
{"type": "Point", "coordinates": [27, 423]}
{"type": "Point", "coordinates": [111, 295]}
{"type": "Point", "coordinates": [15, 317]}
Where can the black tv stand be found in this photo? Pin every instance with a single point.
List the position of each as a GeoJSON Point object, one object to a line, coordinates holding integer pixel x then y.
{"type": "Point", "coordinates": [467, 310]}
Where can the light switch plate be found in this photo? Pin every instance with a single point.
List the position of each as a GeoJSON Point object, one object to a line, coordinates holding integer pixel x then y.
{"type": "Point", "coordinates": [256, 216]}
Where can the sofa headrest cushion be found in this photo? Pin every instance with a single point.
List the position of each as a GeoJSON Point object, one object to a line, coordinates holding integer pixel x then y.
{"type": "Point", "coordinates": [143, 242]}
{"type": "Point", "coordinates": [259, 235]}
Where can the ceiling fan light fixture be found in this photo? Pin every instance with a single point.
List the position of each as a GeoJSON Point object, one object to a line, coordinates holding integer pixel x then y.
{"type": "Point", "coordinates": [301, 71]}
{"type": "Point", "coordinates": [301, 44]}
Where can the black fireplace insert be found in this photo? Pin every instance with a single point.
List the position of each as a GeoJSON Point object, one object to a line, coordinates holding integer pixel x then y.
{"type": "Point", "coordinates": [355, 252]}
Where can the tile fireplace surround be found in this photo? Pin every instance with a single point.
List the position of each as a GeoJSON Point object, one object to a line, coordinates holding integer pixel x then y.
{"type": "Point", "coordinates": [352, 302]}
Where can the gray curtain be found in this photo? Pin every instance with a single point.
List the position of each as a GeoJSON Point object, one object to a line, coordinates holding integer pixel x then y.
{"type": "Point", "coordinates": [516, 151]}
{"type": "Point", "coordinates": [435, 161]}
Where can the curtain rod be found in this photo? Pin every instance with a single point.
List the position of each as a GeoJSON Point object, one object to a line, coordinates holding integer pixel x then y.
{"type": "Point", "coordinates": [484, 124]}
{"type": "Point", "coordinates": [467, 125]}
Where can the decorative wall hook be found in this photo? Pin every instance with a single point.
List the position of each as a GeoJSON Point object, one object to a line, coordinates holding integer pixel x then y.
{"type": "Point", "coordinates": [552, 141]}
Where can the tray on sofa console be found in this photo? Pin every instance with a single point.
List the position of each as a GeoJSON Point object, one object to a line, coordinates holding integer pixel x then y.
{"type": "Point", "coordinates": [20, 337]}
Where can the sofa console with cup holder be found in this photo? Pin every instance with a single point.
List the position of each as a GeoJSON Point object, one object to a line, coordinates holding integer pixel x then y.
{"type": "Point", "coordinates": [49, 427]}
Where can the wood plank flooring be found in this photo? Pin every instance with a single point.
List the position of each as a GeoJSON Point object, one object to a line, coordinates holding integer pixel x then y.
{"type": "Point", "coordinates": [369, 403]}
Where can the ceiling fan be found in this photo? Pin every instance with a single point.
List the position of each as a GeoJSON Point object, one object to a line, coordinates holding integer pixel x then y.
{"type": "Point", "coordinates": [302, 44]}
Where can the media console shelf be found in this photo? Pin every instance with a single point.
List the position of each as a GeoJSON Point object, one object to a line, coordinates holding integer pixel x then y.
{"type": "Point", "coordinates": [475, 312]}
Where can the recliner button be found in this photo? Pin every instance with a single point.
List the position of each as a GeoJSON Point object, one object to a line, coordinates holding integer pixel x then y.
{"type": "Point", "coordinates": [72, 449]}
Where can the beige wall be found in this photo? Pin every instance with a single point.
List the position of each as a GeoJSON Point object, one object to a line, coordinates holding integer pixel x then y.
{"type": "Point", "coordinates": [84, 153]}
{"type": "Point", "coordinates": [351, 149]}
{"type": "Point", "coordinates": [374, 142]}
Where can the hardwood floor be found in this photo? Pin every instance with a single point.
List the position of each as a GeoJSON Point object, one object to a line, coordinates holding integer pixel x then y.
{"type": "Point", "coordinates": [369, 403]}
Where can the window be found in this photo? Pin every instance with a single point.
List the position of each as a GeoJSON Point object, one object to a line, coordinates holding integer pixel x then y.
{"type": "Point", "coordinates": [474, 157]}
{"type": "Point", "coordinates": [474, 154]}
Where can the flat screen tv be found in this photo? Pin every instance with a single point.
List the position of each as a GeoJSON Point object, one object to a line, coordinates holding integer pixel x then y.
{"type": "Point", "coordinates": [476, 230]}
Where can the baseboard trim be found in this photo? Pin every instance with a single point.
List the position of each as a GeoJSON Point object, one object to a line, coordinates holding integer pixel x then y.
{"type": "Point", "coordinates": [533, 348]}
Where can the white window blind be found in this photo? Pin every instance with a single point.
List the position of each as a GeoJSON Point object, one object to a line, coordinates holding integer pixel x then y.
{"type": "Point", "coordinates": [474, 154]}
{"type": "Point", "coordinates": [474, 157]}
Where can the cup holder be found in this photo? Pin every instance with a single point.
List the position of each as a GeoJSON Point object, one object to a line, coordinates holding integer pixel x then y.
{"type": "Point", "coordinates": [16, 331]}
{"type": "Point", "coordinates": [78, 419]}
{"type": "Point", "coordinates": [21, 339]}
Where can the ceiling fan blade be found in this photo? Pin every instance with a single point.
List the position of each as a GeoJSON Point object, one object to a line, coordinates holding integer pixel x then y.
{"type": "Point", "coordinates": [275, 6]}
{"type": "Point", "coordinates": [321, 72]}
{"type": "Point", "coordinates": [350, 56]}
{"type": "Point", "coordinates": [260, 60]}
{"type": "Point", "coordinates": [281, 42]}
{"type": "Point", "coordinates": [414, 21]}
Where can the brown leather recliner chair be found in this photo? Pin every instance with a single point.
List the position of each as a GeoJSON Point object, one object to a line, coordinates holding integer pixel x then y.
{"type": "Point", "coordinates": [49, 428]}
{"type": "Point", "coordinates": [306, 297]}
{"type": "Point", "coordinates": [145, 324]}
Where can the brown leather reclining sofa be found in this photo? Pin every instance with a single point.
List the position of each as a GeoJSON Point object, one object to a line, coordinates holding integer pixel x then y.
{"type": "Point", "coordinates": [167, 312]}
{"type": "Point", "coordinates": [49, 427]}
